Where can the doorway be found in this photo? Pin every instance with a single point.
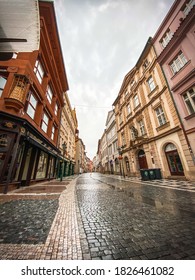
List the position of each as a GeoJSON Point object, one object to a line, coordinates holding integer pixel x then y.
{"type": "Point", "coordinates": [174, 162]}
{"type": "Point", "coordinates": [142, 160]}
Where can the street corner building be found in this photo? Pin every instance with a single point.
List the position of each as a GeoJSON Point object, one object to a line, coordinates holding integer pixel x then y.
{"type": "Point", "coordinates": [32, 88]}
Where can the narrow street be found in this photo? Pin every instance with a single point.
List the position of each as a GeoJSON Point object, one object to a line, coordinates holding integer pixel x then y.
{"type": "Point", "coordinates": [96, 216]}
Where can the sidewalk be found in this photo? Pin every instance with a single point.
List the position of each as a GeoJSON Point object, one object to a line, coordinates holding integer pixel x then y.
{"type": "Point", "coordinates": [62, 242]}
{"type": "Point", "coordinates": [168, 183]}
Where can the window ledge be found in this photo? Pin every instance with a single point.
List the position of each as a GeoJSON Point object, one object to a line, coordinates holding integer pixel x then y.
{"type": "Point", "coordinates": [151, 92]}
{"type": "Point", "coordinates": [163, 126]}
{"type": "Point", "coordinates": [137, 107]}
{"type": "Point", "coordinates": [190, 116]}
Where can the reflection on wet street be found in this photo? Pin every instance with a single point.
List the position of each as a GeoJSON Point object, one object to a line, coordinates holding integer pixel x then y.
{"type": "Point", "coordinates": [131, 220]}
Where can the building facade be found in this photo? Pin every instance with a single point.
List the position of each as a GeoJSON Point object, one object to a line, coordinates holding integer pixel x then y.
{"type": "Point", "coordinates": [147, 122]}
{"type": "Point", "coordinates": [31, 100]}
{"type": "Point", "coordinates": [67, 139]}
{"type": "Point", "coordinates": [174, 43]}
{"type": "Point", "coordinates": [80, 158]}
{"type": "Point", "coordinates": [112, 144]}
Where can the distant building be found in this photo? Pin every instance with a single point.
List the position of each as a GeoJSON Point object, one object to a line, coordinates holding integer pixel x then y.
{"type": "Point", "coordinates": [112, 143]}
{"type": "Point", "coordinates": [67, 138]}
{"type": "Point", "coordinates": [80, 159]}
{"type": "Point", "coordinates": [174, 43]}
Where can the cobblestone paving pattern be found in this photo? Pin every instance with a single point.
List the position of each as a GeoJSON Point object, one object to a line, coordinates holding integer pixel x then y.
{"type": "Point", "coordinates": [118, 225]}
{"type": "Point", "coordinates": [21, 221]}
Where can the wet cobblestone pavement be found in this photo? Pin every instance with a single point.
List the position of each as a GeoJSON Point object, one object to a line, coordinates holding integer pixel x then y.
{"type": "Point", "coordinates": [123, 220]}
{"type": "Point", "coordinates": [22, 220]}
{"type": "Point", "coordinates": [99, 217]}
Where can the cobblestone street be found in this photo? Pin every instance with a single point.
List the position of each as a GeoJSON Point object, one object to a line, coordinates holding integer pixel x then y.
{"type": "Point", "coordinates": [99, 216]}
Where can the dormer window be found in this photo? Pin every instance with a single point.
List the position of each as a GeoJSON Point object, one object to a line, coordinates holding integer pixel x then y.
{"type": "Point", "coordinates": [166, 38]}
{"type": "Point", "coordinates": [145, 64]}
{"type": "Point", "coordinates": [188, 7]}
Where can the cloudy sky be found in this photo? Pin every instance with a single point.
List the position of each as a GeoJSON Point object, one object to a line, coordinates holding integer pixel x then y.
{"type": "Point", "coordinates": [101, 41]}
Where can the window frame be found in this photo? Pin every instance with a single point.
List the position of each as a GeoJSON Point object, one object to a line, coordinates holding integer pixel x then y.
{"type": "Point", "coordinates": [29, 104]}
{"type": "Point", "coordinates": [2, 88]}
{"type": "Point", "coordinates": [190, 99]}
{"type": "Point", "coordinates": [161, 116]}
{"type": "Point", "coordinates": [142, 127]}
{"type": "Point", "coordinates": [178, 63]}
{"type": "Point", "coordinates": [43, 122]}
{"type": "Point", "coordinates": [49, 94]}
{"type": "Point", "coordinates": [39, 71]}
{"type": "Point", "coordinates": [136, 98]}
{"type": "Point", "coordinates": [151, 83]}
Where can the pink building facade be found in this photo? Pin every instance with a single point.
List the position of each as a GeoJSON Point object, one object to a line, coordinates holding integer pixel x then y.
{"type": "Point", "coordinates": [174, 43]}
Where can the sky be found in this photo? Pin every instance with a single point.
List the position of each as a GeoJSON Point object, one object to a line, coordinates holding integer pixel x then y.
{"type": "Point", "coordinates": [101, 41]}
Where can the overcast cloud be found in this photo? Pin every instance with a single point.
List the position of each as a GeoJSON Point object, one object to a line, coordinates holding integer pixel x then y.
{"type": "Point", "coordinates": [101, 41]}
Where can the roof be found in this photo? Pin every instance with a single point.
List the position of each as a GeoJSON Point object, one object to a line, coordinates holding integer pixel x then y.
{"type": "Point", "coordinates": [19, 26]}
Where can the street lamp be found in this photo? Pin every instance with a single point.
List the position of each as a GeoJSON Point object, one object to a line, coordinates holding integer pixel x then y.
{"type": "Point", "coordinates": [64, 146]}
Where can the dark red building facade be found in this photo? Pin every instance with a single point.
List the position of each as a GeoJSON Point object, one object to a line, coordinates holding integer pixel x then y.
{"type": "Point", "coordinates": [31, 99]}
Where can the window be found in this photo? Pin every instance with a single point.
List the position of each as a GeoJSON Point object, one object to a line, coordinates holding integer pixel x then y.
{"type": "Point", "coordinates": [145, 64]}
{"type": "Point", "coordinates": [142, 128]}
{"type": "Point", "coordinates": [31, 105]}
{"type": "Point", "coordinates": [115, 146]}
{"type": "Point", "coordinates": [110, 150]}
{"type": "Point", "coordinates": [160, 116]}
{"type": "Point", "coordinates": [2, 84]}
{"type": "Point", "coordinates": [136, 100]}
{"type": "Point", "coordinates": [189, 99]}
{"type": "Point", "coordinates": [128, 109]}
{"type": "Point", "coordinates": [120, 119]}
{"type": "Point", "coordinates": [49, 94]}
{"type": "Point", "coordinates": [178, 63]}
{"type": "Point", "coordinates": [133, 133]}
{"type": "Point", "coordinates": [166, 38]}
{"type": "Point", "coordinates": [39, 71]}
{"type": "Point", "coordinates": [151, 83]}
{"type": "Point", "coordinates": [188, 7]}
{"type": "Point", "coordinates": [123, 139]}
{"type": "Point", "coordinates": [52, 132]}
{"type": "Point", "coordinates": [45, 122]}
{"type": "Point", "coordinates": [56, 109]}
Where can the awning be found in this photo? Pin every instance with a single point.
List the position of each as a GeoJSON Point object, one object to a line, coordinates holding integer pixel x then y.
{"type": "Point", "coordinates": [19, 26]}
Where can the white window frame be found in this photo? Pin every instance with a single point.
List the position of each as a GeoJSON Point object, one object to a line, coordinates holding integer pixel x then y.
{"type": "Point", "coordinates": [49, 94]}
{"type": "Point", "coordinates": [32, 105]}
{"type": "Point", "coordinates": [128, 109]}
{"type": "Point", "coordinates": [189, 100]}
{"type": "Point", "coordinates": [45, 122]}
{"type": "Point", "coordinates": [188, 7]}
{"type": "Point", "coordinates": [56, 109]}
{"type": "Point", "coordinates": [160, 115]}
{"type": "Point", "coordinates": [53, 132]}
{"type": "Point", "coordinates": [166, 38]}
{"type": "Point", "coordinates": [142, 127]}
{"type": "Point", "coordinates": [151, 83]}
{"type": "Point", "coordinates": [178, 63]}
{"type": "Point", "coordinates": [136, 100]}
{"type": "Point", "coordinates": [39, 71]}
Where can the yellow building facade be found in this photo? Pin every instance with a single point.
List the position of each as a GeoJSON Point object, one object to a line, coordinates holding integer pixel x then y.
{"type": "Point", "coordinates": [148, 127]}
